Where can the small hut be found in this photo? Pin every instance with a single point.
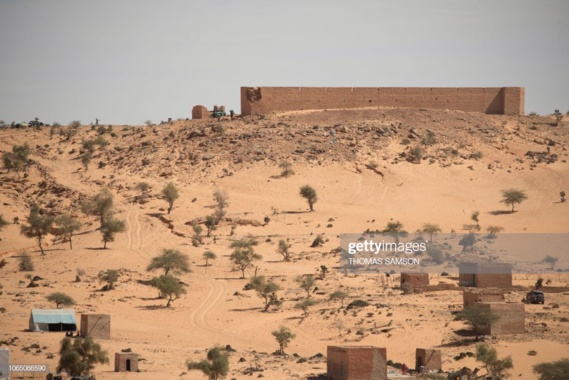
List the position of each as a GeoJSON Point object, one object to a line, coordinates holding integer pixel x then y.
{"type": "Point", "coordinates": [126, 362]}
{"type": "Point", "coordinates": [356, 362]}
{"type": "Point", "coordinates": [414, 282]}
{"type": "Point", "coordinates": [429, 359]}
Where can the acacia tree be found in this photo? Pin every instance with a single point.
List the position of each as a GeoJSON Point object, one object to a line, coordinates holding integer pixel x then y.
{"type": "Point", "coordinates": [467, 241]}
{"type": "Point", "coordinates": [110, 228]}
{"type": "Point", "coordinates": [283, 249]}
{"type": "Point", "coordinates": [395, 229]}
{"type": "Point", "coordinates": [60, 299]}
{"type": "Point", "coordinates": [197, 239]}
{"type": "Point", "coordinates": [67, 226]}
{"type": "Point", "coordinates": [215, 366]}
{"type": "Point", "coordinates": [18, 159]}
{"type": "Point", "coordinates": [287, 169]}
{"type": "Point", "coordinates": [38, 226]}
{"type": "Point", "coordinates": [100, 205]}
{"type": "Point", "coordinates": [304, 305]}
{"type": "Point", "coordinates": [306, 283]}
{"type": "Point", "coordinates": [209, 255]}
{"type": "Point", "coordinates": [143, 187]}
{"type": "Point", "coordinates": [513, 197]}
{"type": "Point", "coordinates": [244, 254]}
{"type": "Point", "coordinates": [170, 194]}
{"type": "Point", "coordinates": [557, 370]}
{"type": "Point", "coordinates": [496, 368]}
{"type": "Point", "coordinates": [310, 195]}
{"type": "Point", "coordinates": [79, 356]}
{"type": "Point", "coordinates": [210, 224]}
{"type": "Point", "coordinates": [431, 229]}
{"type": "Point", "coordinates": [267, 290]}
{"type": "Point", "coordinates": [493, 230]}
{"type": "Point", "coordinates": [478, 317]}
{"type": "Point", "coordinates": [339, 295]}
{"type": "Point", "coordinates": [475, 217]}
{"type": "Point", "coordinates": [172, 261]}
{"type": "Point", "coordinates": [169, 287]}
{"type": "Point", "coordinates": [221, 202]}
{"type": "Point", "coordinates": [283, 336]}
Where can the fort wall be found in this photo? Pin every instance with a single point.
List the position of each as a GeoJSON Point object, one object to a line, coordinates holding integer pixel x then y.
{"type": "Point", "coordinates": [490, 100]}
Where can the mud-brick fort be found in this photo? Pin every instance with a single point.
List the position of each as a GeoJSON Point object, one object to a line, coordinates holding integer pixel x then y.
{"type": "Point", "coordinates": [490, 100]}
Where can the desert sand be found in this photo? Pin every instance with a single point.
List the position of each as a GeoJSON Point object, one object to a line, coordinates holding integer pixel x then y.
{"type": "Point", "coordinates": [352, 159]}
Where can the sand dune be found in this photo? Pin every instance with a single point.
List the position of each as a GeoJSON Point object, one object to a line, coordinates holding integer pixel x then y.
{"type": "Point", "coordinates": [362, 181]}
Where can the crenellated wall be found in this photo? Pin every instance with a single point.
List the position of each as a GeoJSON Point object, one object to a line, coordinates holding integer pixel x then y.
{"type": "Point", "coordinates": [490, 100]}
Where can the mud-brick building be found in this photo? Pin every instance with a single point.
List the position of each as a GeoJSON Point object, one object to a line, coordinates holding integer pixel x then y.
{"type": "Point", "coordinates": [414, 282]}
{"type": "Point", "coordinates": [485, 274]}
{"type": "Point", "coordinates": [356, 363]}
{"type": "Point", "coordinates": [512, 318]}
{"type": "Point", "coordinates": [200, 112]}
{"type": "Point", "coordinates": [97, 326]}
{"type": "Point", "coordinates": [470, 296]}
{"type": "Point", "coordinates": [126, 362]}
{"type": "Point", "coordinates": [428, 358]}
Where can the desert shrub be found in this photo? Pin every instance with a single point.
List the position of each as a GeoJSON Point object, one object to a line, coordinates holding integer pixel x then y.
{"type": "Point", "coordinates": [304, 305]}
{"type": "Point", "coordinates": [218, 128]}
{"type": "Point", "coordinates": [415, 155]}
{"type": "Point", "coordinates": [110, 276]}
{"type": "Point", "coordinates": [476, 155]}
{"type": "Point", "coordinates": [429, 139]}
{"type": "Point", "coordinates": [215, 366]}
{"type": "Point", "coordinates": [317, 242]}
{"type": "Point", "coordinates": [372, 165]}
{"type": "Point", "coordinates": [436, 255]}
{"type": "Point", "coordinates": [357, 303]}
{"type": "Point", "coordinates": [286, 169]}
{"type": "Point", "coordinates": [25, 263]}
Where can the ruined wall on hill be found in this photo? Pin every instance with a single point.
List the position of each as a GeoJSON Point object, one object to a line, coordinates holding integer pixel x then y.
{"type": "Point", "coordinates": [490, 100]}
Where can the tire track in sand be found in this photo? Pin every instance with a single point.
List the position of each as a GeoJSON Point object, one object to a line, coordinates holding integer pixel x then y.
{"type": "Point", "coordinates": [200, 317]}
{"type": "Point", "coordinates": [135, 236]}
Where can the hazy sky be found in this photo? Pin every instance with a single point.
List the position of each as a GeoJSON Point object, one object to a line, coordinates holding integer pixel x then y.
{"type": "Point", "coordinates": [126, 61]}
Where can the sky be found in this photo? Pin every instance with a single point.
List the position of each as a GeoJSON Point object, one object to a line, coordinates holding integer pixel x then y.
{"type": "Point", "coordinates": [128, 61]}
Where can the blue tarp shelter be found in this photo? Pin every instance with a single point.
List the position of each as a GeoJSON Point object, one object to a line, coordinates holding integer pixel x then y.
{"type": "Point", "coordinates": [53, 320]}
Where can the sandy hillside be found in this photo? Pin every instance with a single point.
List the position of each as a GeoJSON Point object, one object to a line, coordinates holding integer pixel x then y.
{"type": "Point", "coordinates": [358, 162]}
